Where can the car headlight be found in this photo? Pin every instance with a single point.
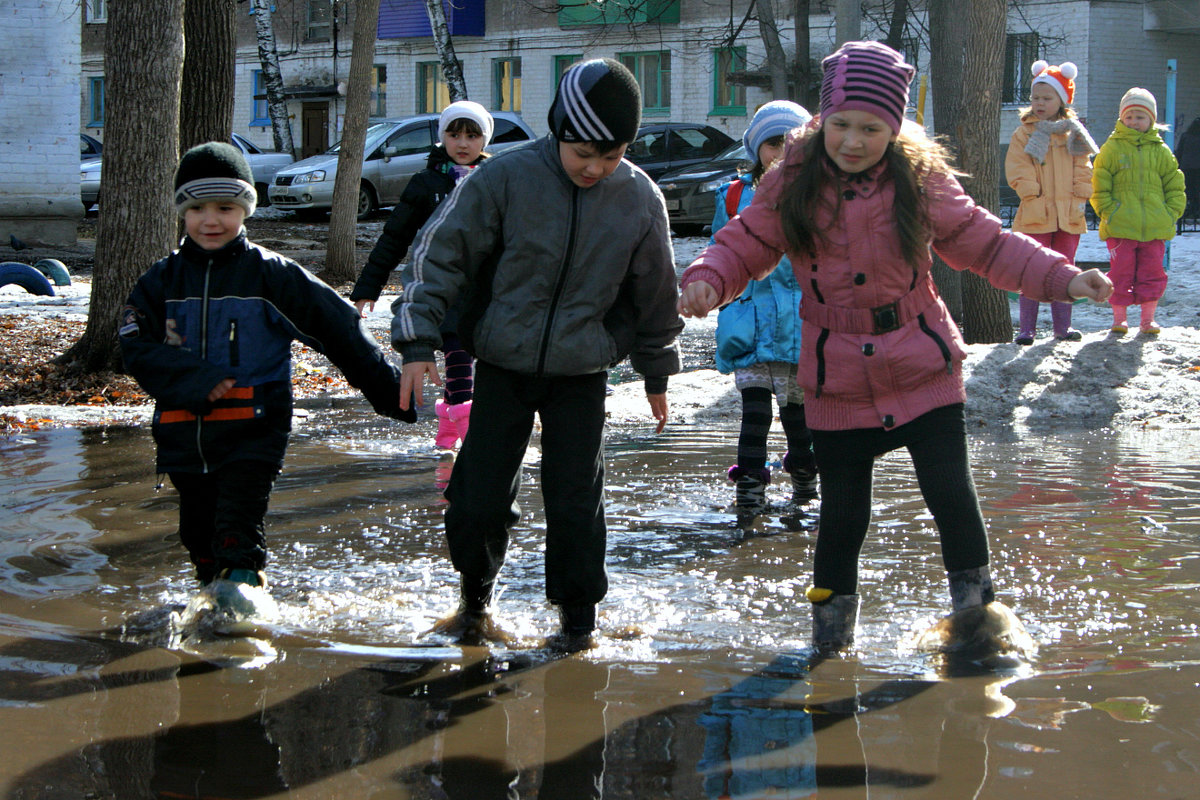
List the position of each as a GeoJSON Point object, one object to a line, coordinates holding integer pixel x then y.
{"type": "Point", "coordinates": [316, 176]}
{"type": "Point", "coordinates": [712, 186]}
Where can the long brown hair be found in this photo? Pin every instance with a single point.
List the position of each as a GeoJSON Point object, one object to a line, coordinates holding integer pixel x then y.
{"type": "Point", "coordinates": [911, 159]}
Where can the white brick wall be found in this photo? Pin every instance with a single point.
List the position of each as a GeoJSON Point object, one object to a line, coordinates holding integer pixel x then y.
{"type": "Point", "coordinates": [39, 129]}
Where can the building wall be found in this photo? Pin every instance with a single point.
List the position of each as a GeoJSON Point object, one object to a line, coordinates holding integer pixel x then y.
{"type": "Point", "coordinates": [39, 154]}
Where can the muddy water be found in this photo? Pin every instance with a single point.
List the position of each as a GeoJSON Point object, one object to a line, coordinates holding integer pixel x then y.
{"type": "Point", "coordinates": [701, 686]}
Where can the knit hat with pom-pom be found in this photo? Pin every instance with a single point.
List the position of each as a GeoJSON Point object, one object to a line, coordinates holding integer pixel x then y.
{"type": "Point", "coordinates": [1060, 78]}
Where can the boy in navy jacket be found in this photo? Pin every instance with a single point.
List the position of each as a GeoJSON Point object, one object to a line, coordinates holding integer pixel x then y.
{"type": "Point", "coordinates": [207, 332]}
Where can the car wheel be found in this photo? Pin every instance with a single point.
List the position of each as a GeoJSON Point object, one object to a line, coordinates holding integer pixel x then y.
{"type": "Point", "coordinates": [687, 228]}
{"type": "Point", "coordinates": [366, 201]}
{"type": "Point", "coordinates": [264, 199]}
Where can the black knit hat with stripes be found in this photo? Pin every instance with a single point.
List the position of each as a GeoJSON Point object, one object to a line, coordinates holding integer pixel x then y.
{"type": "Point", "coordinates": [596, 101]}
{"type": "Point", "coordinates": [214, 171]}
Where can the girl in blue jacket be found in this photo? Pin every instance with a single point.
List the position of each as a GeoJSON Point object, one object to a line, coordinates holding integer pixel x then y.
{"type": "Point", "coordinates": [758, 336]}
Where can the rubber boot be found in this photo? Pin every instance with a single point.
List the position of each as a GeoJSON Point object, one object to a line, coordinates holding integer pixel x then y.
{"type": "Point", "coordinates": [471, 623]}
{"type": "Point", "coordinates": [1149, 326]}
{"type": "Point", "coordinates": [751, 493]}
{"type": "Point", "coordinates": [447, 435]}
{"type": "Point", "coordinates": [803, 471]}
{"type": "Point", "coordinates": [981, 631]}
{"type": "Point", "coordinates": [1029, 315]}
{"type": "Point", "coordinates": [835, 619]}
{"type": "Point", "coordinates": [1120, 322]}
{"type": "Point", "coordinates": [577, 623]}
{"type": "Point", "coordinates": [460, 415]}
{"type": "Point", "coordinates": [1061, 314]}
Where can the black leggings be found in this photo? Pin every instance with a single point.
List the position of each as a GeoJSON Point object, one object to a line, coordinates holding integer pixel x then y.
{"type": "Point", "coordinates": [937, 442]}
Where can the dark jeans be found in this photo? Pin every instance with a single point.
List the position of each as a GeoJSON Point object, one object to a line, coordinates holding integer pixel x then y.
{"type": "Point", "coordinates": [487, 477]}
{"type": "Point", "coordinates": [221, 516]}
{"type": "Point", "coordinates": [937, 442]}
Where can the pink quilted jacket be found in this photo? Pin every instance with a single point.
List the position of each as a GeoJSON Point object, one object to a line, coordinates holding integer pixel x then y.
{"type": "Point", "coordinates": [878, 345]}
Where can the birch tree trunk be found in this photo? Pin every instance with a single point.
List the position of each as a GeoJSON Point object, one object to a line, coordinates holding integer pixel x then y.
{"type": "Point", "coordinates": [268, 56]}
{"type": "Point", "coordinates": [210, 48]}
{"type": "Point", "coordinates": [143, 65]}
{"type": "Point", "coordinates": [340, 261]}
{"type": "Point", "coordinates": [986, 314]}
{"type": "Point", "coordinates": [451, 66]}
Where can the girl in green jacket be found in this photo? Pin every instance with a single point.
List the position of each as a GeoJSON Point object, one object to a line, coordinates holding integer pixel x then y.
{"type": "Point", "coordinates": [1137, 189]}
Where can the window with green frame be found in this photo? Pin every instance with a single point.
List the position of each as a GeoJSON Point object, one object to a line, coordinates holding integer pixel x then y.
{"type": "Point", "coordinates": [432, 92]}
{"type": "Point", "coordinates": [506, 84]}
{"type": "Point", "coordinates": [574, 13]}
{"type": "Point", "coordinates": [728, 98]}
{"type": "Point", "coordinates": [562, 64]}
{"type": "Point", "coordinates": [96, 102]}
{"type": "Point", "coordinates": [653, 73]}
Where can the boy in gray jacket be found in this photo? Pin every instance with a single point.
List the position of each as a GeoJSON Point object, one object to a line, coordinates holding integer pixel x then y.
{"type": "Point", "coordinates": [563, 251]}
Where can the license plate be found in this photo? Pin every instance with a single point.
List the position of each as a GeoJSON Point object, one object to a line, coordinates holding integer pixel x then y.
{"type": "Point", "coordinates": [672, 205]}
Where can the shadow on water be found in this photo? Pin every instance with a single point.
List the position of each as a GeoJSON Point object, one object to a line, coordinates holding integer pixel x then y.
{"type": "Point", "coordinates": [700, 685]}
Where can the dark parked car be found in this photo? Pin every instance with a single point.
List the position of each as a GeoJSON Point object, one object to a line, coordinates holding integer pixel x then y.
{"type": "Point", "coordinates": [668, 146]}
{"type": "Point", "coordinates": [691, 192]}
{"type": "Point", "coordinates": [89, 147]}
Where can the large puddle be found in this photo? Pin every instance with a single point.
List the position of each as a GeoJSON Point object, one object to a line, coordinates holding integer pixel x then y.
{"type": "Point", "coordinates": [701, 686]}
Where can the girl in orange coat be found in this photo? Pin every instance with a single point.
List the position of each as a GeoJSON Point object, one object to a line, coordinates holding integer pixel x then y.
{"type": "Point", "coordinates": [1047, 166]}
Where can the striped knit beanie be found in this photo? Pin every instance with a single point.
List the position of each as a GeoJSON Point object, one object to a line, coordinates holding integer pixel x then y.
{"type": "Point", "coordinates": [596, 101]}
{"type": "Point", "coordinates": [1139, 98]}
{"type": "Point", "coordinates": [214, 171]}
{"type": "Point", "coordinates": [773, 119]}
{"type": "Point", "coordinates": [866, 76]}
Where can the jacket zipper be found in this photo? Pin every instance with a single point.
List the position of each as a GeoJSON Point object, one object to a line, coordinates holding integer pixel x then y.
{"type": "Point", "coordinates": [561, 282]}
{"type": "Point", "coordinates": [203, 355]}
{"type": "Point", "coordinates": [234, 359]}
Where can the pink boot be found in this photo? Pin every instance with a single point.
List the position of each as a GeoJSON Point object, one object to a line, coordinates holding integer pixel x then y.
{"type": "Point", "coordinates": [460, 415]}
{"type": "Point", "coordinates": [447, 434]}
{"type": "Point", "coordinates": [1149, 326]}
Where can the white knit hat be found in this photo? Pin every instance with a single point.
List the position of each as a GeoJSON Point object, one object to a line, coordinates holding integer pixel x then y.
{"type": "Point", "coordinates": [467, 109]}
{"type": "Point", "coordinates": [1139, 98]}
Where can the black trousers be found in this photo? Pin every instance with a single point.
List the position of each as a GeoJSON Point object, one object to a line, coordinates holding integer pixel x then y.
{"type": "Point", "coordinates": [483, 487]}
{"type": "Point", "coordinates": [937, 442]}
{"type": "Point", "coordinates": [221, 516]}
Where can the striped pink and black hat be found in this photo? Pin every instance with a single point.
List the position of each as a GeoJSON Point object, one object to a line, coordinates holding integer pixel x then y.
{"type": "Point", "coordinates": [866, 76]}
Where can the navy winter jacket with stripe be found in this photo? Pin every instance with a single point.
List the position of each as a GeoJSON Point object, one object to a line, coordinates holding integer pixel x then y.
{"type": "Point", "coordinates": [198, 317]}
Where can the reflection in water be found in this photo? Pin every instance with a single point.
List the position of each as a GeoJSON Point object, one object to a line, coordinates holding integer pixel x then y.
{"type": "Point", "coordinates": [700, 687]}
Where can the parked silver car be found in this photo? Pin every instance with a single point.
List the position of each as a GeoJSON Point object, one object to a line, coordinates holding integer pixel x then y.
{"type": "Point", "coordinates": [395, 150]}
{"type": "Point", "coordinates": [263, 163]}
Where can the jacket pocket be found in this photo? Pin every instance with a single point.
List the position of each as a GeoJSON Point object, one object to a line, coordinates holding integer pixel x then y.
{"type": "Point", "coordinates": [1033, 212]}
{"type": "Point", "coordinates": [234, 358]}
{"type": "Point", "coordinates": [736, 326]}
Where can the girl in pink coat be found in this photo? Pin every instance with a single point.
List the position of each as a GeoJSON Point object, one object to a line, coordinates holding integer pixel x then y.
{"type": "Point", "coordinates": [856, 203]}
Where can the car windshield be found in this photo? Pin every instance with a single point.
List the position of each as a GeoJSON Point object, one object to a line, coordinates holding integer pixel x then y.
{"type": "Point", "coordinates": [737, 150]}
{"type": "Point", "coordinates": [375, 132]}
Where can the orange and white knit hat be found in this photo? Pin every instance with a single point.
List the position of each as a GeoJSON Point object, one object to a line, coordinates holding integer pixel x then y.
{"type": "Point", "coordinates": [1062, 78]}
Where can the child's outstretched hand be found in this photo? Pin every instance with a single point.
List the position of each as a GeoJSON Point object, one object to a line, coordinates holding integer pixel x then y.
{"type": "Point", "coordinates": [360, 305]}
{"type": "Point", "coordinates": [1092, 284]}
{"type": "Point", "coordinates": [697, 299]}
{"type": "Point", "coordinates": [412, 381]}
{"type": "Point", "coordinates": [658, 407]}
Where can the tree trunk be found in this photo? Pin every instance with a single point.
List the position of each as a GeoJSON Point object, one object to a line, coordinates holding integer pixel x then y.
{"type": "Point", "coordinates": [451, 66]}
{"type": "Point", "coordinates": [268, 56]}
{"type": "Point", "coordinates": [948, 35]}
{"type": "Point", "coordinates": [986, 314]}
{"type": "Point", "coordinates": [776, 58]}
{"type": "Point", "coordinates": [802, 78]}
{"type": "Point", "coordinates": [848, 21]}
{"type": "Point", "coordinates": [895, 36]}
{"type": "Point", "coordinates": [340, 261]}
{"type": "Point", "coordinates": [206, 96]}
{"type": "Point", "coordinates": [143, 65]}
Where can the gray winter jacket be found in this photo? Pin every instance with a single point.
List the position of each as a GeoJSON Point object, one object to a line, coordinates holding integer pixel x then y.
{"type": "Point", "coordinates": [559, 280]}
